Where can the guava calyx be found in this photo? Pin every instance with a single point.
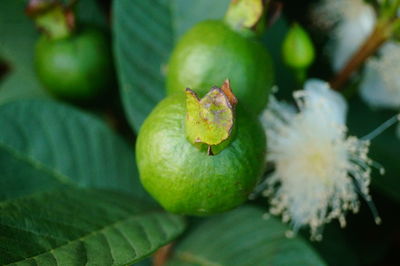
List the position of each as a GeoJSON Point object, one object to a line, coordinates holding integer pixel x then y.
{"type": "Point", "coordinates": [210, 120]}
{"type": "Point", "coordinates": [245, 14]}
{"type": "Point", "coordinates": [55, 19]}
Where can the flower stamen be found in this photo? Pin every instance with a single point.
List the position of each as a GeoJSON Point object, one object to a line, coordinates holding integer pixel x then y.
{"type": "Point", "coordinates": [319, 170]}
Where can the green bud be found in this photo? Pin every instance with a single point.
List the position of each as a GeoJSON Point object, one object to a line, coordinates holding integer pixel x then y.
{"type": "Point", "coordinates": [297, 49]}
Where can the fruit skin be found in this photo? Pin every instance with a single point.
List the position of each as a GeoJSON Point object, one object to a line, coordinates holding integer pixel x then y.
{"type": "Point", "coordinates": [184, 179]}
{"type": "Point", "coordinates": [211, 52]}
{"type": "Point", "coordinates": [76, 68]}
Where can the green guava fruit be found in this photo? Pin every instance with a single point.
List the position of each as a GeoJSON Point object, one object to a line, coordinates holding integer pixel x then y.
{"type": "Point", "coordinates": [76, 68]}
{"type": "Point", "coordinates": [187, 180]}
{"type": "Point", "coordinates": [210, 52]}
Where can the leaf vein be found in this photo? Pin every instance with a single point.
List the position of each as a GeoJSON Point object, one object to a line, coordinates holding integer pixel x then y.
{"type": "Point", "coordinates": [91, 234]}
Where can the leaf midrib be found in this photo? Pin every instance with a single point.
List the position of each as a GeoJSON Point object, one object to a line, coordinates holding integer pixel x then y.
{"type": "Point", "coordinates": [36, 164]}
{"type": "Point", "coordinates": [98, 231]}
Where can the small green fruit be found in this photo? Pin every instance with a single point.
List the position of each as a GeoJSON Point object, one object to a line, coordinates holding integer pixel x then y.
{"type": "Point", "coordinates": [211, 52]}
{"type": "Point", "coordinates": [76, 68]}
{"type": "Point", "coordinates": [187, 180]}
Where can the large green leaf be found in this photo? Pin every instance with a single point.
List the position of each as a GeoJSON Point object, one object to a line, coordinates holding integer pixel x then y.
{"type": "Point", "coordinates": [144, 35]}
{"type": "Point", "coordinates": [385, 148]}
{"type": "Point", "coordinates": [81, 227]}
{"type": "Point", "coordinates": [67, 145]}
{"type": "Point", "coordinates": [335, 248]}
{"type": "Point", "coordinates": [20, 176]}
{"type": "Point", "coordinates": [242, 237]}
{"type": "Point", "coordinates": [143, 39]}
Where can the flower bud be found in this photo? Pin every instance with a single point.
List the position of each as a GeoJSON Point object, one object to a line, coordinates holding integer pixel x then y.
{"type": "Point", "coordinates": [297, 49]}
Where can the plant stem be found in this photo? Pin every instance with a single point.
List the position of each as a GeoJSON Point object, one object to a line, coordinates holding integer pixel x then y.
{"type": "Point", "coordinates": [378, 36]}
{"type": "Point", "coordinates": [161, 255]}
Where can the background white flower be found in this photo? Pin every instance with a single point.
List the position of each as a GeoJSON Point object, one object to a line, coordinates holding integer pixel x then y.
{"type": "Point", "coordinates": [318, 169]}
{"type": "Point", "coordinates": [380, 86]}
{"type": "Point", "coordinates": [352, 22]}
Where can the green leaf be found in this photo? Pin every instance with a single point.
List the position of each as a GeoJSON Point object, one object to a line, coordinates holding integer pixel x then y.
{"type": "Point", "coordinates": [188, 13]}
{"type": "Point", "coordinates": [242, 237]}
{"type": "Point", "coordinates": [146, 262]}
{"type": "Point", "coordinates": [385, 148]}
{"type": "Point", "coordinates": [143, 39]}
{"type": "Point", "coordinates": [21, 176]}
{"type": "Point", "coordinates": [66, 145]}
{"type": "Point", "coordinates": [18, 37]}
{"type": "Point", "coordinates": [81, 227]}
{"type": "Point", "coordinates": [335, 247]}
{"type": "Point", "coordinates": [144, 35]}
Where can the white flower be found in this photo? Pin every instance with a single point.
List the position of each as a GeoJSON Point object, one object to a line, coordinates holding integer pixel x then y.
{"type": "Point", "coordinates": [319, 171]}
{"type": "Point", "coordinates": [380, 86]}
{"type": "Point", "coordinates": [353, 21]}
